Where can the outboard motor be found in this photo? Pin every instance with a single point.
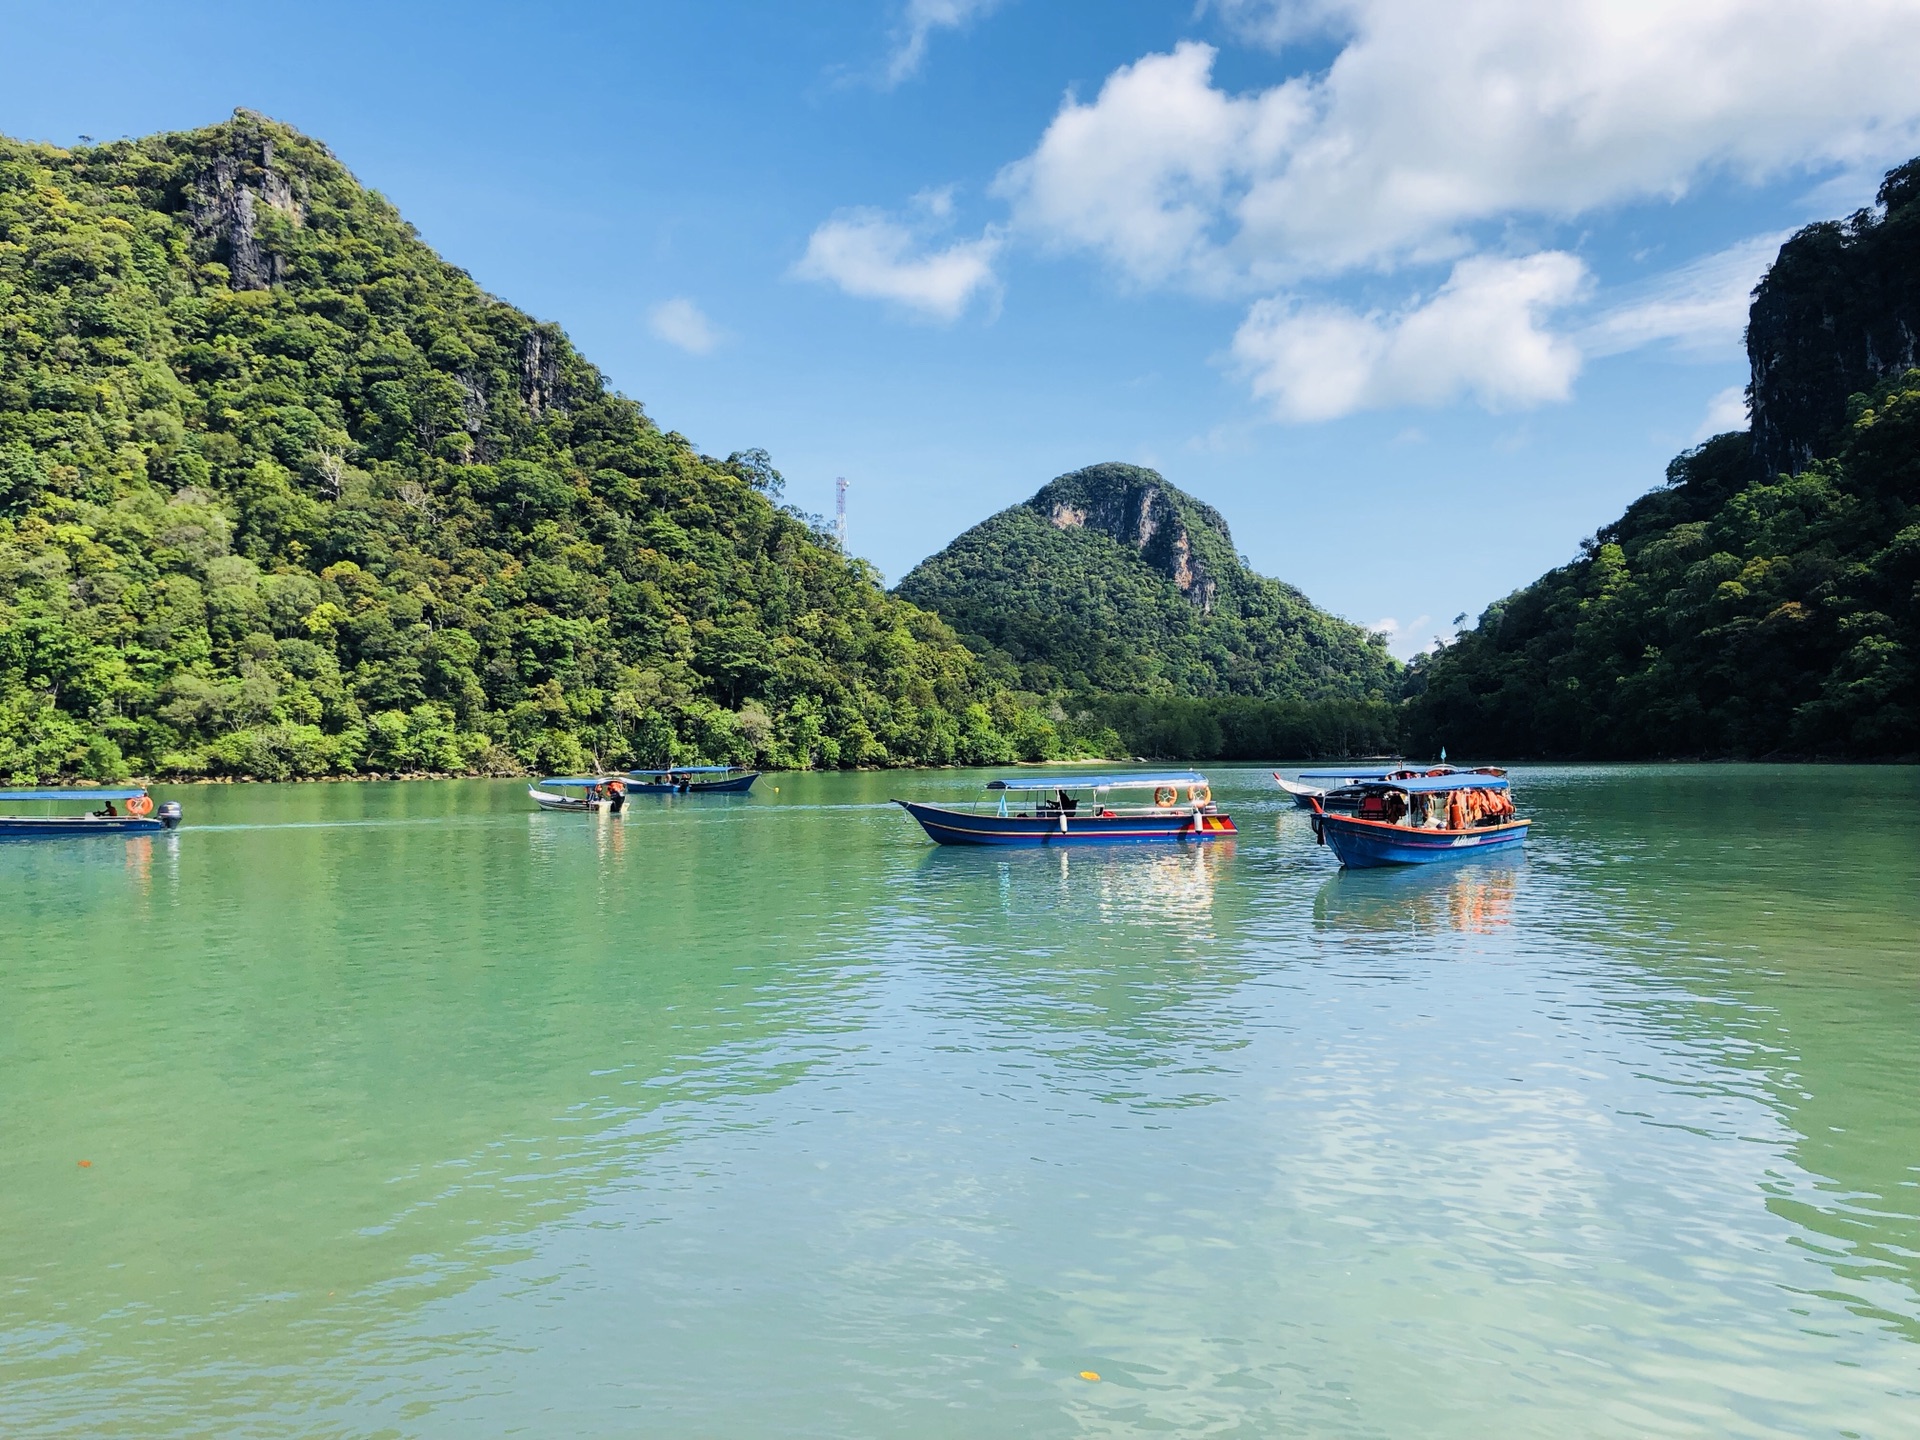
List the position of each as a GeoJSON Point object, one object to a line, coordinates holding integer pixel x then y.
{"type": "Point", "coordinates": [169, 813]}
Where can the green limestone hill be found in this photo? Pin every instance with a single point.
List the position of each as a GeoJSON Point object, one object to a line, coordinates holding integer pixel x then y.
{"type": "Point", "coordinates": [1112, 582]}
{"type": "Point", "coordinates": [283, 493]}
{"type": "Point", "coordinates": [1766, 600]}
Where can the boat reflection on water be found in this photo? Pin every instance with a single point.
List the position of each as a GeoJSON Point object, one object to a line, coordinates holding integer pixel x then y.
{"type": "Point", "coordinates": [1176, 888]}
{"type": "Point", "coordinates": [1474, 898]}
{"type": "Point", "coordinates": [1124, 884]}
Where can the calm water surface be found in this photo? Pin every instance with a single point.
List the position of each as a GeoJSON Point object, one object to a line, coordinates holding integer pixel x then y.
{"type": "Point", "coordinates": [413, 1112]}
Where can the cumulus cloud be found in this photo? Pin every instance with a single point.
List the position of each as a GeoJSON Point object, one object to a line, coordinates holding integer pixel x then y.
{"type": "Point", "coordinates": [1484, 333]}
{"type": "Point", "coordinates": [681, 322]}
{"type": "Point", "coordinates": [1438, 115]}
{"type": "Point", "coordinates": [1437, 126]}
{"type": "Point", "coordinates": [917, 25]}
{"type": "Point", "coordinates": [878, 257]}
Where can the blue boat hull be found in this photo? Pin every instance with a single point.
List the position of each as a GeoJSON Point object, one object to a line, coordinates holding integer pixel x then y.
{"type": "Point", "coordinates": [1364, 843]}
{"type": "Point", "coordinates": [62, 827]}
{"type": "Point", "coordinates": [964, 827]}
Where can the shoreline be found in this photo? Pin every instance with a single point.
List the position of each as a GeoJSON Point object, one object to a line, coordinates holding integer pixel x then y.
{"type": "Point", "coordinates": [387, 777]}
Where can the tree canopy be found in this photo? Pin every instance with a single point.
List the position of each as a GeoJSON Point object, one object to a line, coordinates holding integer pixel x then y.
{"type": "Point", "coordinates": [1766, 599]}
{"type": "Point", "coordinates": [1721, 615]}
{"type": "Point", "coordinates": [1110, 581]}
{"type": "Point", "coordinates": [282, 493]}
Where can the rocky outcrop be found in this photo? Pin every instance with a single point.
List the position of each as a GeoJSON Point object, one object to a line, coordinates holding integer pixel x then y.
{"type": "Point", "coordinates": [540, 378]}
{"type": "Point", "coordinates": [225, 204]}
{"type": "Point", "coordinates": [1837, 313]}
{"type": "Point", "coordinates": [1134, 507]}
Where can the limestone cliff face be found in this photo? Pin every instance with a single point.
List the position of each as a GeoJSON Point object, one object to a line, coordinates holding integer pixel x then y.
{"type": "Point", "coordinates": [1837, 313]}
{"type": "Point", "coordinates": [243, 198]}
{"type": "Point", "coordinates": [1138, 509]}
{"type": "Point", "coordinates": [235, 200]}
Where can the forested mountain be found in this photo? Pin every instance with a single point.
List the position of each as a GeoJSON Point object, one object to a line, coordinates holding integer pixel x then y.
{"type": "Point", "coordinates": [1112, 582]}
{"type": "Point", "coordinates": [1766, 600]}
{"type": "Point", "coordinates": [283, 493]}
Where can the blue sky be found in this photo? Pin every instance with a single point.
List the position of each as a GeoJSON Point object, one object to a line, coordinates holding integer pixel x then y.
{"type": "Point", "coordinates": [1347, 269]}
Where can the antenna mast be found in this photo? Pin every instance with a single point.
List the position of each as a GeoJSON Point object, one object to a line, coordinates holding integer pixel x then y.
{"type": "Point", "coordinates": [840, 511]}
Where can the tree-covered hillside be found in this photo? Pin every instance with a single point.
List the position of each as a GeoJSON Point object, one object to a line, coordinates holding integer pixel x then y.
{"type": "Point", "coordinates": [1767, 599]}
{"type": "Point", "coordinates": [1110, 581]}
{"type": "Point", "coordinates": [282, 493]}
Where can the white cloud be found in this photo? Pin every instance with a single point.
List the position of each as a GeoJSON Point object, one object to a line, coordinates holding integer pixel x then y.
{"type": "Point", "coordinates": [917, 25]}
{"type": "Point", "coordinates": [1726, 411]}
{"type": "Point", "coordinates": [1482, 334]}
{"type": "Point", "coordinates": [681, 322]}
{"type": "Point", "coordinates": [872, 255]}
{"type": "Point", "coordinates": [1701, 305]}
{"type": "Point", "coordinates": [1440, 115]}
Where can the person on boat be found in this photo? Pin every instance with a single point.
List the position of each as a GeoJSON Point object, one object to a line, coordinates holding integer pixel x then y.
{"type": "Point", "coordinates": [616, 795]}
{"type": "Point", "coordinates": [1396, 807]}
{"type": "Point", "coordinates": [109, 813]}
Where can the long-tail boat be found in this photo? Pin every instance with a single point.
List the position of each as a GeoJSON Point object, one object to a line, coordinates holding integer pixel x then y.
{"type": "Point", "coordinates": [580, 792]}
{"type": "Point", "coordinates": [1054, 810]}
{"type": "Point", "coordinates": [693, 780]}
{"type": "Point", "coordinates": [138, 817]}
{"type": "Point", "coordinates": [1415, 819]}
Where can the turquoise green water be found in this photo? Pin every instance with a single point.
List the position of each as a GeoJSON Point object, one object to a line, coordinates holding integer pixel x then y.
{"type": "Point", "coordinates": [413, 1112]}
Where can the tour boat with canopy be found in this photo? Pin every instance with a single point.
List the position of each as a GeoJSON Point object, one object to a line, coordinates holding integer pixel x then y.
{"type": "Point", "coordinates": [1416, 818]}
{"type": "Point", "coordinates": [693, 780]}
{"type": "Point", "coordinates": [580, 792]}
{"type": "Point", "coordinates": [127, 810]}
{"type": "Point", "coordinates": [1051, 810]}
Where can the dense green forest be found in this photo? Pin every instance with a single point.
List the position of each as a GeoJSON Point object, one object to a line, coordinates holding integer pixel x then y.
{"type": "Point", "coordinates": [1766, 599]}
{"type": "Point", "coordinates": [282, 494]}
{"type": "Point", "coordinates": [1111, 582]}
{"type": "Point", "coordinates": [1243, 727]}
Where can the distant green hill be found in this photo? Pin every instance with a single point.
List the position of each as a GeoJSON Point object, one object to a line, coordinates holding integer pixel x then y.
{"type": "Point", "coordinates": [282, 493]}
{"type": "Point", "coordinates": [1766, 600]}
{"type": "Point", "coordinates": [1111, 582]}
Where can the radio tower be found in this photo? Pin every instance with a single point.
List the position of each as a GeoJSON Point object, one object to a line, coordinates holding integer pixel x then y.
{"type": "Point", "coordinates": [840, 512]}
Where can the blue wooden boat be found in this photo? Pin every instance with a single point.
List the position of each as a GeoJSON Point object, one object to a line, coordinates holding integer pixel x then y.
{"type": "Point", "coordinates": [1051, 810]}
{"type": "Point", "coordinates": [580, 792]}
{"type": "Point", "coordinates": [693, 780]}
{"type": "Point", "coordinates": [128, 810]}
{"type": "Point", "coordinates": [1419, 819]}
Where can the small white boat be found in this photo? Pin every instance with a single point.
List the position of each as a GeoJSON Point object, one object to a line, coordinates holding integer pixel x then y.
{"type": "Point", "coordinates": [1303, 795]}
{"type": "Point", "coordinates": [583, 792]}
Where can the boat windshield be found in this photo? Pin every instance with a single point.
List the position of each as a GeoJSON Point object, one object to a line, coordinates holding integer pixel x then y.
{"type": "Point", "coordinates": [1102, 795]}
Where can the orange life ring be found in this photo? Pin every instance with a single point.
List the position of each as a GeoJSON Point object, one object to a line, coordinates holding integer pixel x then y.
{"type": "Point", "coordinates": [1200, 794]}
{"type": "Point", "coordinates": [1165, 795]}
{"type": "Point", "coordinates": [140, 805]}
